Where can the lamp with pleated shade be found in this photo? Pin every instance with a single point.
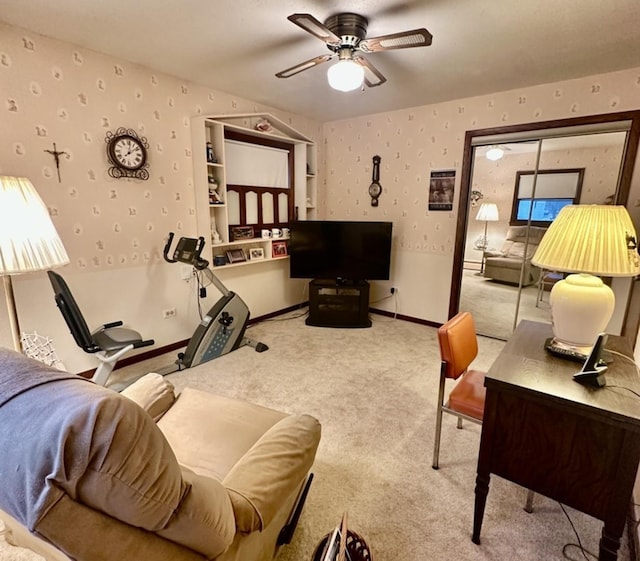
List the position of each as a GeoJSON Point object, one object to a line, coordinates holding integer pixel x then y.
{"type": "Point", "coordinates": [28, 239]}
{"type": "Point", "coordinates": [589, 241]}
{"type": "Point", "coordinates": [489, 213]}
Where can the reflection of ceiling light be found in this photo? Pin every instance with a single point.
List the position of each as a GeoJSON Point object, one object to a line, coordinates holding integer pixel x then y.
{"type": "Point", "coordinates": [346, 75]}
{"type": "Point", "coordinates": [494, 153]}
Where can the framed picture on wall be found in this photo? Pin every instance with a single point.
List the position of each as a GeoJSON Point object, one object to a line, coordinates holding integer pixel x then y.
{"type": "Point", "coordinates": [279, 249]}
{"type": "Point", "coordinates": [441, 185]}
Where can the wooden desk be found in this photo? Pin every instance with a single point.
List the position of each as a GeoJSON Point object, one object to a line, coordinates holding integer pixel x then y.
{"type": "Point", "coordinates": [572, 443]}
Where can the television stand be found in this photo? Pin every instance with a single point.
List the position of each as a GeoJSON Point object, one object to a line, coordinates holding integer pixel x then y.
{"type": "Point", "coordinates": [338, 303]}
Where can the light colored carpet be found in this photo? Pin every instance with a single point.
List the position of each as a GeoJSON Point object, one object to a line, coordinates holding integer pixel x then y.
{"type": "Point", "coordinates": [493, 304]}
{"type": "Point", "coordinates": [374, 391]}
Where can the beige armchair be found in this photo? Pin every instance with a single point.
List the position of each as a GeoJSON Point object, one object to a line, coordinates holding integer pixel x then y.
{"type": "Point", "coordinates": [88, 474]}
{"type": "Point", "coordinates": [505, 265]}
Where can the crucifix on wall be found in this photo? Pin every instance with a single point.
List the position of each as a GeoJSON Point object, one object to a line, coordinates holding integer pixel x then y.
{"type": "Point", "coordinates": [56, 155]}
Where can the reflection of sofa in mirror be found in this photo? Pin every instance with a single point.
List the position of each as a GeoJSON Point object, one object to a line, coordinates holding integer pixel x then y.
{"type": "Point", "coordinates": [504, 265]}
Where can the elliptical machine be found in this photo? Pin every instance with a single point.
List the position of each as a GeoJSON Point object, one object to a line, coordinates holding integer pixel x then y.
{"type": "Point", "coordinates": [222, 329]}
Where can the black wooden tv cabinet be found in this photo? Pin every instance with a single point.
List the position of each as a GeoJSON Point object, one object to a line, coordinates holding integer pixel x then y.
{"type": "Point", "coordinates": [338, 303]}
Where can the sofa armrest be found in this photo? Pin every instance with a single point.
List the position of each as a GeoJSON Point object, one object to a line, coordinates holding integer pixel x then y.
{"type": "Point", "coordinates": [153, 392]}
{"type": "Point", "coordinates": [493, 253]}
{"type": "Point", "coordinates": [271, 471]}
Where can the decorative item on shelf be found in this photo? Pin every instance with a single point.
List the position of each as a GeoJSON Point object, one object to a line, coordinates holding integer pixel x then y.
{"type": "Point", "coordinates": [286, 232]}
{"type": "Point", "coordinates": [241, 233]}
{"type": "Point", "coordinates": [28, 240]}
{"type": "Point", "coordinates": [214, 197]}
{"type": "Point", "coordinates": [128, 153]}
{"type": "Point", "coordinates": [256, 253]}
{"type": "Point", "coordinates": [375, 188]}
{"type": "Point", "coordinates": [215, 236]}
{"type": "Point", "coordinates": [279, 249]}
{"type": "Point", "coordinates": [585, 240]}
{"type": "Point", "coordinates": [211, 158]}
{"type": "Point", "coordinates": [265, 234]}
{"type": "Point", "coordinates": [475, 197]}
{"type": "Point", "coordinates": [236, 255]}
{"type": "Point", "coordinates": [219, 260]}
{"type": "Point", "coordinates": [264, 126]}
{"type": "Point", "coordinates": [489, 213]}
{"type": "Point", "coordinates": [276, 233]}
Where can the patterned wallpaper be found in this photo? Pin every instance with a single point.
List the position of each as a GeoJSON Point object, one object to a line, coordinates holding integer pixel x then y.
{"type": "Point", "coordinates": [53, 92]}
{"type": "Point", "coordinates": [414, 142]}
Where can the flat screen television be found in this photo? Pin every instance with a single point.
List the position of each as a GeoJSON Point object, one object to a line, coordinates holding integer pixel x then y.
{"type": "Point", "coordinates": [335, 249]}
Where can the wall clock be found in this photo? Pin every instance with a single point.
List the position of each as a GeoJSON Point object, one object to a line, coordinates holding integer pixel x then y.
{"type": "Point", "coordinates": [127, 153]}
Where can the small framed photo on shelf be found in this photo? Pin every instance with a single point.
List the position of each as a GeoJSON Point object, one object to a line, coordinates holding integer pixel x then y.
{"type": "Point", "coordinates": [279, 249]}
{"type": "Point", "coordinates": [256, 253]}
{"type": "Point", "coordinates": [241, 233]}
{"type": "Point", "coordinates": [236, 256]}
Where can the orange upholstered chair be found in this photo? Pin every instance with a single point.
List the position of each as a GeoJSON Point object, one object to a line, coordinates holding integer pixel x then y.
{"type": "Point", "coordinates": [458, 348]}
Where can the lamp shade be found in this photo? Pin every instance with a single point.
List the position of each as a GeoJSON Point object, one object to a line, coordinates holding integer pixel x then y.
{"type": "Point", "coordinates": [345, 75]}
{"type": "Point", "coordinates": [28, 238]}
{"type": "Point", "coordinates": [595, 239]}
{"type": "Point", "coordinates": [488, 212]}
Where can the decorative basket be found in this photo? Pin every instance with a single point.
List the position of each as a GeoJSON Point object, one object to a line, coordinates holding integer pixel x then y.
{"type": "Point", "coordinates": [357, 548]}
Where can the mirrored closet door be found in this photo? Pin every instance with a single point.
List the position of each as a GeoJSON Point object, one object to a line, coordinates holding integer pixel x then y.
{"type": "Point", "coordinates": [516, 185]}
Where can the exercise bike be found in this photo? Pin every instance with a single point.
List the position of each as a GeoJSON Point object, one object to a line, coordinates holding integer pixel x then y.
{"type": "Point", "coordinates": [222, 329]}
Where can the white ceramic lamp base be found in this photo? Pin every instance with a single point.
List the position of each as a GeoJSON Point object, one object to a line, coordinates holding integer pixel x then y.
{"type": "Point", "coordinates": [581, 307]}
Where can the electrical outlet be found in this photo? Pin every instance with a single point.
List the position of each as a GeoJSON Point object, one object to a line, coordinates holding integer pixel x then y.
{"type": "Point", "coordinates": [169, 313]}
{"type": "Point", "coordinates": [393, 290]}
{"type": "Point", "coordinates": [185, 273]}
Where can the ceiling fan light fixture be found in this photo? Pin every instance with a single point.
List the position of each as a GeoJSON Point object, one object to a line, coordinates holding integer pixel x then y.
{"type": "Point", "coordinates": [494, 153]}
{"type": "Point", "coordinates": [346, 75]}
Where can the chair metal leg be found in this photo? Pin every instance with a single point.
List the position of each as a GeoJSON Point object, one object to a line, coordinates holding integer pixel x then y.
{"type": "Point", "coordinates": [528, 506]}
{"type": "Point", "coordinates": [436, 440]}
{"type": "Point", "coordinates": [459, 425]}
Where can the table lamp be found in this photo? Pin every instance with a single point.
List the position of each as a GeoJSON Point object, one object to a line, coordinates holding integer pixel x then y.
{"type": "Point", "coordinates": [489, 213]}
{"type": "Point", "coordinates": [28, 240]}
{"type": "Point", "coordinates": [586, 240]}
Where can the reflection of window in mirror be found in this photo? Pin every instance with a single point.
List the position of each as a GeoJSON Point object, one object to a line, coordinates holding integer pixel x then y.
{"type": "Point", "coordinates": [259, 181]}
{"type": "Point", "coordinates": [540, 196]}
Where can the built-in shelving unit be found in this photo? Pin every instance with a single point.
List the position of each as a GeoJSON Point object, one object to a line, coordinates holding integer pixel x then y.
{"type": "Point", "coordinates": [208, 141]}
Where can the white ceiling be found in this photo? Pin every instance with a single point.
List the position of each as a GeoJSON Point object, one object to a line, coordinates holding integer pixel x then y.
{"type": "Point", "coordinates": [237, 46]}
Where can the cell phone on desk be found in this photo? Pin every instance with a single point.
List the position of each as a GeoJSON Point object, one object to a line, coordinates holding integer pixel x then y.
{"type": "Point", "coordinates": [592, 373]}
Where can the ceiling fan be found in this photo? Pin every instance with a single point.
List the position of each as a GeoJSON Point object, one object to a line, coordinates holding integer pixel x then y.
{"type": "Point", "coordinates": [345, 36]}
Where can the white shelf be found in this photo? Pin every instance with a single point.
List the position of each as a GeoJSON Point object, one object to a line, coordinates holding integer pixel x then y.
{"type": "Point", "coordinates": [211, 129]}
{"type": "Point", "coordinates": [250, 262]}
{"type": "Point", "coordinates": [249, 241]}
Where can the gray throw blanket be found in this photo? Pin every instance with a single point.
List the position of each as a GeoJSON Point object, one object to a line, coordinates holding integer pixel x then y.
{"type": "Point", "coordinates": [31, 445]}
{"type": "Point", "coordinates": [62, 434]}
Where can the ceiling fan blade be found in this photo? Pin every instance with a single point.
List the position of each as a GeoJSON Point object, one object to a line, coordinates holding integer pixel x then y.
{"type": "Point", "coordinates": [304, 66]}
{"type": "Point", "coordinates": [404, 40]}
{"type": "Point", "coordinates": [372, 76]}
{"type": "Point", "coordinates": [313, 26]}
